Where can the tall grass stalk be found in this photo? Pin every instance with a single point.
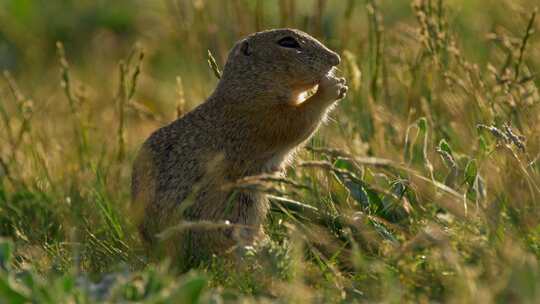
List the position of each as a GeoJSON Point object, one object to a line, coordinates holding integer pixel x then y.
{"type": "Point", "coordinates": [73, 102]}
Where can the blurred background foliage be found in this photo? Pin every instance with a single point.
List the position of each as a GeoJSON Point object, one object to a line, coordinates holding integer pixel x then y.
{"type": "Point", "coordinates": [176, 34]}
{"type": "Point", "coordinates": [423, 186]}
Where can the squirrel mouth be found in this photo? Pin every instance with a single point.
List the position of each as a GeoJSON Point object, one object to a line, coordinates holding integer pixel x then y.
{"type": "Point", "coordinates": [301, 92]}
{"type": "Point", "coordinates": [306, 90]}
{"type": "Point", "coordinates": [306, 94]}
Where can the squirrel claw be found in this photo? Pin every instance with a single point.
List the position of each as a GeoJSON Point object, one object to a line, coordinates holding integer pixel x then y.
{"type": "Point", "coordinates": [343, 92]}
{"type": "Point", "coordinates": [332, 88]}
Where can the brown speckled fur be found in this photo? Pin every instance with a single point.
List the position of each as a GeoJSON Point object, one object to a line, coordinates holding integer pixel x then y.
{"type": "Point", "coordinates": [250, 125]}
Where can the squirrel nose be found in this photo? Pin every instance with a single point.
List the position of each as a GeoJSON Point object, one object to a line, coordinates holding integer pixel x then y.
{"type": "Point", "coordinates": [335, 59]}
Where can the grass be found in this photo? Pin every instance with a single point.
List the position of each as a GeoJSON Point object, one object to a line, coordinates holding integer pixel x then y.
{"type": "Point", "coordinates": [423, 187]}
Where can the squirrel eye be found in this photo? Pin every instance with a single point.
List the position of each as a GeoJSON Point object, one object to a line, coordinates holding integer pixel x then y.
{"type": "Point", "coordinates": [289, 42]}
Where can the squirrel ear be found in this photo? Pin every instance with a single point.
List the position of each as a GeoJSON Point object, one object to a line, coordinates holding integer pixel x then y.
{"type": "Point", "coordinates": [245, 48]}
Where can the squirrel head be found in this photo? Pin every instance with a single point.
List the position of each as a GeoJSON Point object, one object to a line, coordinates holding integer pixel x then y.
{"type": "Point", "coordinates": [283, 61]}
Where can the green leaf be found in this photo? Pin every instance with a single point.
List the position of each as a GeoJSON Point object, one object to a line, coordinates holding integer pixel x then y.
{"type": "Point", "coordinates": [10, 295]}
{"type": "Point", "coordinates": [376, 203]}
{"type": "Point", "coordinates": [471, 171]}
{"type": "Point", "coordinates": [360, 191]}
{"type": "Point", "coordinates": [153, 284]}
{"type": "Point", "coordinates": [190, 291]}
{"type": "Point", "coordinates": [6, 253]}
{"type": "Point", "coordinates": [356, 190]}
{"type": "Point", "coordinates": [343, 164]}
{"type": "Point", "coordinates": [444, 146]}
{"type": "Point", "coordinates": [68, 283]}
{"type": "Point", "coordinates": [422, 124]}
{"type": "Point", "coordinates": [383, 231]}
{"type": "Point", "coordinates": [482, 144]}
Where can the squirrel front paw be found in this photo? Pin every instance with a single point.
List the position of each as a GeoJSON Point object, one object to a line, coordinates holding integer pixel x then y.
{"type": "Point", "coordinates": [332, 88]}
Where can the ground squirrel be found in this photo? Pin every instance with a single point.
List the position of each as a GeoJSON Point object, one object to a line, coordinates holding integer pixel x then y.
{"type": "Point", "coordinates": [250, 125]}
